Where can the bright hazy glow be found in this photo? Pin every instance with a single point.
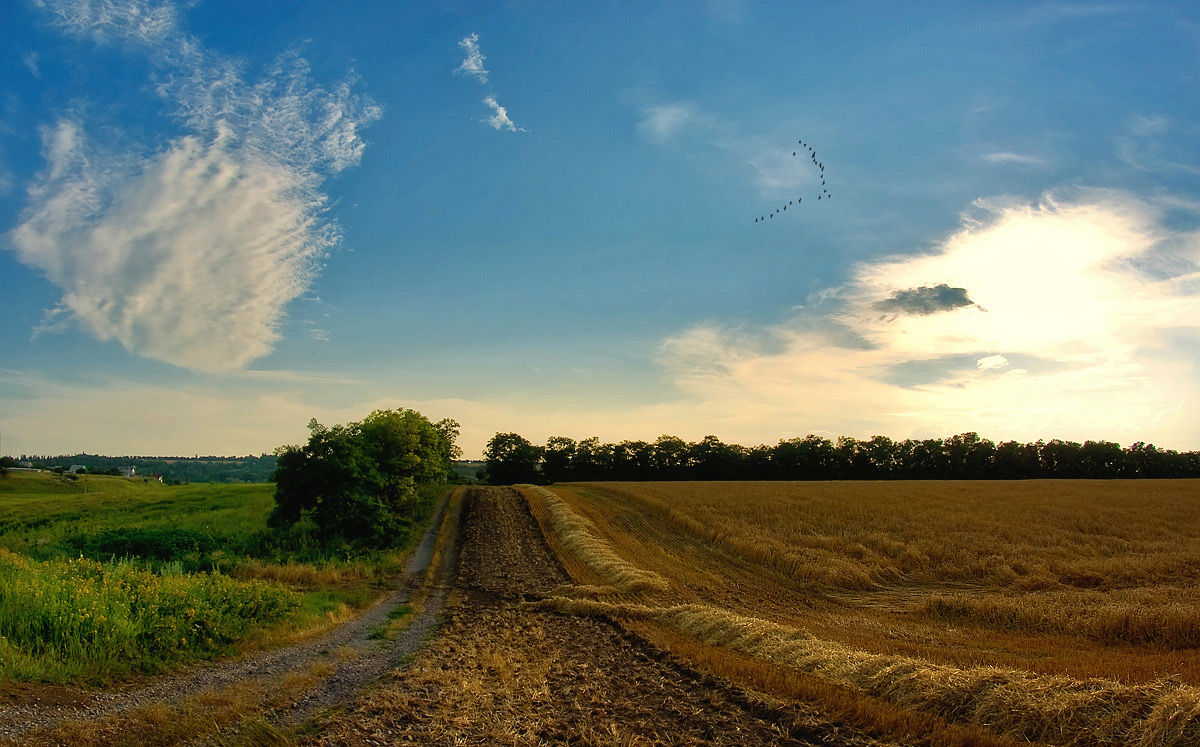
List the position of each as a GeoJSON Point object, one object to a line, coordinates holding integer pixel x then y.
{"type": "Point", "coordinates": [1060, 284]}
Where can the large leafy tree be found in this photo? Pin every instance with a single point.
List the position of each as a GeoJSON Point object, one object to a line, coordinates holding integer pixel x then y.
{"type": "Point", "coordinates": [511, 459]}
{"type": "Point", "coordinates": [359, 482]}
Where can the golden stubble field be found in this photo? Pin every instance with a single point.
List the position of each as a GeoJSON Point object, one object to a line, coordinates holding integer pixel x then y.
{"type": "Point", "coordinates": [1060, 612]}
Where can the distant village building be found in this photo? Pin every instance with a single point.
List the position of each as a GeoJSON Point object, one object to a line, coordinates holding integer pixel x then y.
{"type": "Point", "coordinates": [128, 471]}
{"type": "Point", "coordinates": [25, 463]}
{"type": "Point", "coordinates": [76, 469]}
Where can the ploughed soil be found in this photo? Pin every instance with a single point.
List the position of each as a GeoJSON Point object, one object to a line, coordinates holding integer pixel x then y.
{"type": "Point", "coordinates": [498, 673]}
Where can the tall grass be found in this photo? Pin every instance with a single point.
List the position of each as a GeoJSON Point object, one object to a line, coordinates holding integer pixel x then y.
{"type": "Point", "coordinates": [77, 620]}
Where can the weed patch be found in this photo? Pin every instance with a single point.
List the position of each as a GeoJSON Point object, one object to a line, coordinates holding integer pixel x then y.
{"type": "Point", "coordinates": [82, 620]}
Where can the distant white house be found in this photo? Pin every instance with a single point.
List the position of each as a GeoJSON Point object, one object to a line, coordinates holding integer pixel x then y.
{"type": "Point", "coordinates": [76, 468]}
{"type": "Point", "coordinates": [128, 471]}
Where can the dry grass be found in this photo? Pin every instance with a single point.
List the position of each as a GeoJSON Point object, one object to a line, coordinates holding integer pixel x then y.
{"type": "Point", "coordinates": [1049, 611]}
{"type": "Point", "coordinates": [230, 717]}
{"type": "Point", "coordinates": [1112, 561]}
{"type": "Point", "coordinates": [578, 536]}
{"type": "Point", "coordinates": [1020, 534]}
{"type": "Point", "coordinates": [301, 574]}
{"type": "Point", "coordinates": [1054, 710]}
{"type": "Point", "coordinates": [825, 700]}
{"type": "Point", "coordinates": [1159, 616]}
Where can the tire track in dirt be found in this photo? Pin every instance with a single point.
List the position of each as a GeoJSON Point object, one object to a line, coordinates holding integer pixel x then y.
{"type": "Point", "coordinates": [362, 659]}
{"type": "Point", "coordinates": [499, 673]}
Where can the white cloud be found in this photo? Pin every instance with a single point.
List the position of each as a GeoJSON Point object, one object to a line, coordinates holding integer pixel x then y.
{"type": "Point", "coordinates": [1143, 126]}
{"type": "Point", "coordinates": [991, 362]}
{"type": "Point", "coordinates": [1008, 157]}
{"type": "Point", "coordinates": [115, 21]}
{"type": "Point", "coordinates": [1157, 144]}
{"type": "Point", "coordinates": [190, 255]}
{"type": "Point", "coordinates": [1066, 284]}
{"type": "Point", "coordinates": [499, 119]}
{"type": "Point", "coordinates": [30, 60]}
{"type": "Point", "coordinates": [472, 65]}
{"type": "Point", "coordinates": [191, 260]}
{"type": "Point", "coordinates": [724, 145]}
{"type": "Point", "coordinates": [1053, 13]}
{"type": "Point", "coordinates": [660, 123]}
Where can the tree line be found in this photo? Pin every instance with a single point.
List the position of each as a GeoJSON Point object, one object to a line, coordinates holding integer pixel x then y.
{"type": "Point", "coordinates": [173, 469]}
{"type": "Point", "coordinates": [510, 458]}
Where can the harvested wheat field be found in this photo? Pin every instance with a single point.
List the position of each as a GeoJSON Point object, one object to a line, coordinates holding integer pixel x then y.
{"type": "Point", "coordinates": [503, 673]}
{"type": "Point", "coordinates": [1054, 612]}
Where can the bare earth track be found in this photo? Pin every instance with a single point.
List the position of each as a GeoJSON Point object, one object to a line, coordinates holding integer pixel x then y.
{"type": "Point", "coordinates": [499, 673]}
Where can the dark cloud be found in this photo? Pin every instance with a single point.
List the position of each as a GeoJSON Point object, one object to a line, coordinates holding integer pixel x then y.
{"type": "Point", "coordinates": [946, 369]}
{"type": "Point", "coordinates": [925, 300]}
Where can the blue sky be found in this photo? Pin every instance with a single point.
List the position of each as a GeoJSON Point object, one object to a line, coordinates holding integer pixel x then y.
{"type": "Point", "coordinates": [223, 218]}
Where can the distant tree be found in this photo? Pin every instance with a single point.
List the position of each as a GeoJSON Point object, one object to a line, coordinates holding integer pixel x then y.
{"type": "Point", "coordinates": [710, 459]}
{"type": "Point", "coordinates": [359, 482]}
{"type": "Point", "coordinates": [510, 459]}
{"type": "Point", "coordinates": [632, 460]}
{"type": "Point", "coordinates": [1014, 461]}
{"type": "Point", "coordinates": [593, 460]}
{"type": "Point", "coordinates": [670, 458]}
{"type": "Point", "coordinates": [882, 455]}
{"type": "Point", "coordinates": [808, 458]}
{"type": "Point", "coordinates": [558, 459]}
{"type": "Point", "coordinates": [449, 430]}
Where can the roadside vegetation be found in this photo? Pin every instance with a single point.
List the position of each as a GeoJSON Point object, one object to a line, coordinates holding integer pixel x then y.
{"type": "Point", "coordinates": [101, 576]}
{"type": "Point", "coordinates": [1057, 612]}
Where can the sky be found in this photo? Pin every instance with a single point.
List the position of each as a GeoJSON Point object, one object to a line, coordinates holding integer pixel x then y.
{"type": "Point", "coordinates": [221, 219]}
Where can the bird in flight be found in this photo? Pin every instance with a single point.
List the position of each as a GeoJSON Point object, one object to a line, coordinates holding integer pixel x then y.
{"type": "Point", "coordinates": [812, 154]}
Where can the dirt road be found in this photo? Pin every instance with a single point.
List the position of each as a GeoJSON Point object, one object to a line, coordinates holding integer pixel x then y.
{"type": "Point", "coordinates": [500, 674]}
{"type": "Point", "coordinates": [350, 654]}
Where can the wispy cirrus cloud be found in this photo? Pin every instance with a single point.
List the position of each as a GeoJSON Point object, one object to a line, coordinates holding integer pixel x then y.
{"type": "Point", "coordinates": [472, 64]}
{"type": "Point", "coordinates": [114, 22]}
{"type": "Point", "coordinates": [683, 123]}
{"type": "Point", "coordinates": [499, 119]}
{"type": "Point", "coordinates": [1157, 144]}
{"type": "Point", "coordinates": [661, 123]}
{"type": "Point", "coordinates": [1010, 157]}
{"type": "Point", "coordinates": [190, 254]}
{"type": "Point", "coordinates": [30, 61]}
{"type": "Point", "coordinates": [1051, 13]}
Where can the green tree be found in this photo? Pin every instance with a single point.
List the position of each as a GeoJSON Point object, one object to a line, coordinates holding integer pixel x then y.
{"type": "Point", "coordinates": [558, 459]}
{"type": "Point", "coordinates": [358, 482]}
{"type": "Point", "coordinates": [511, 459]}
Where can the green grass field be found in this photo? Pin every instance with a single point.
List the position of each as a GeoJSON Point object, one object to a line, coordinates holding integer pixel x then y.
{"type": "Point", "coordinates": [48, 516]}
{"type": "Point", "coordinates": [104, 576]}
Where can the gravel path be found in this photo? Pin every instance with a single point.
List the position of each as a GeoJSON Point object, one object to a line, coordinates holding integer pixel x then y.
{"type": "Point", "coordinates": [370, 658]}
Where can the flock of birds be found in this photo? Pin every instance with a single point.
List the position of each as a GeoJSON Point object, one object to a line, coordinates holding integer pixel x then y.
{"type": "Point", "coordinates": [812, 154]}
